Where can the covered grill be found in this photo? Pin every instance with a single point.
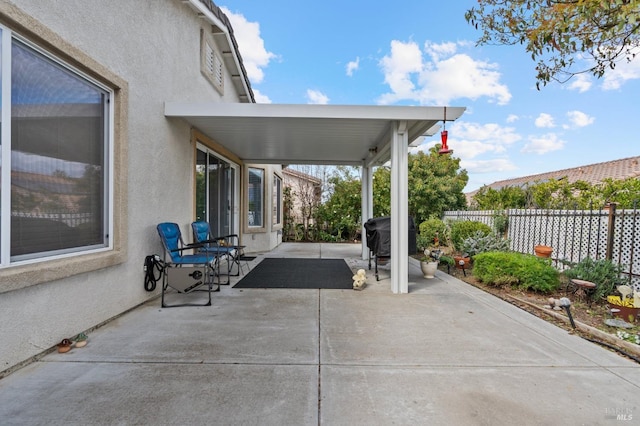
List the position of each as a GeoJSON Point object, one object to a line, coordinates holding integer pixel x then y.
{"type": "Point", "coordinates": [378, 231]}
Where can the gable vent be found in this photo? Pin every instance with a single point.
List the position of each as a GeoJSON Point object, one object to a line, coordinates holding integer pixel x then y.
{"type": "Point", "coordinates": [211, 64]}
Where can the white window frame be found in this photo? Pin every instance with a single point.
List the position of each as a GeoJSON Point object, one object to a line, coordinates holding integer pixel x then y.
{"type": "Point", "coordinates": [6, 116]}
{"type": "Point", "coordinates": [263, 225]}
{"type": "Point", "coordinates": [236, 184]}
{"type": "Point", "coordinates": [276, 198]}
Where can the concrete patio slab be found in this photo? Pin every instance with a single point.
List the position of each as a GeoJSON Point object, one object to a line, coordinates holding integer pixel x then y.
{"type": "Point", "coordinates": [444, 354]}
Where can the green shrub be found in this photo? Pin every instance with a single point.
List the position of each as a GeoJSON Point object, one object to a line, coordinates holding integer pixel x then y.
{"type": "Point", "coordinates": [525, 271]}
{"type": "Point", "coordinates": [480, 242]}
{"type": "Point", "coordinates": [500, 222]}
{"type": "Point", "coordinates": [433, 227]}
{"type": "Point", "coordinates": [447, 260]}
{"type": "Point", "coordinates": [463, 229]}
{"type": "Point", "coordinates": [429, 229]}
{"type": "Point", "coordinates": [603, 273]}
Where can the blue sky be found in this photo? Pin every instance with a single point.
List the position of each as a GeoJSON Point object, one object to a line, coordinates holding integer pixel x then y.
{"type": "Point", "coordinates": [424, 53]}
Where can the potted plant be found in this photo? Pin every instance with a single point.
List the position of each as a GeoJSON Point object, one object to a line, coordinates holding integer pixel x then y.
{"type": "Point", "coordinates": [429, 262]}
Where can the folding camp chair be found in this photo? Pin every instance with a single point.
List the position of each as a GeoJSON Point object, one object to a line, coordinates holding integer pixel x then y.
{"type": "Point", "coordinates": [226, 247]}
{"type": "Point", "coordinates": [185, 273]}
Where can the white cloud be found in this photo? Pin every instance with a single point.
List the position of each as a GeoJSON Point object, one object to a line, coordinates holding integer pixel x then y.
{"type": "Point", "coordinates": [488, 166]}
{"type": "Point", "coordinates": [353, 66]}
{"type": "Point", "coordinates": [469, 140]}
{"type": "Point", "coordinates": [624, 71]}
{"type": "Point", "coordinates": [436, 51]}
{"type": "Point", "coordinates": [512, 118]}
{"type": "Point", "coordinates": [316, 97]}
{"type": "Point", "coordinates": [543, 144]}
{"type": "Point", "coordinates": [260, 98]}
{"type": "Point", "coordinates": [254, 55]}
{"type": "Point", "coordinates": [544, 120]}
{"type": "Point", "coordinates": [580, 82]}
{"type": "Point", "coordinates": [405, 60]}
{"type": "Point", "coordinates": [439, 75]}
{"type": "Point", "coordinates": [487, 133]}
{"type": "Point", "coordinates": [578, 119]}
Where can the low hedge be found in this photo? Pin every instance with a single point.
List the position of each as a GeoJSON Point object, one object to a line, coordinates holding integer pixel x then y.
{"type": "Point", "coordinates": [524, 271]}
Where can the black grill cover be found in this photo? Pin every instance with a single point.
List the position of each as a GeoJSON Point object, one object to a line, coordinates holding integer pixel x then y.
{"type": "Point", "coordinates": [378, 231]}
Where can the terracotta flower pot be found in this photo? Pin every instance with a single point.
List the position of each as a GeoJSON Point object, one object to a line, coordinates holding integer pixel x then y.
{"type": "Point", "coordinates": [543, 251]}
{"type": "Point", "coordinates": [626, 313]}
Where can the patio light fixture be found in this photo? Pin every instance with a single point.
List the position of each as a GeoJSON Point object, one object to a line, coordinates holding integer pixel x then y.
{"type": "Point", "coordinates": [444, 149]}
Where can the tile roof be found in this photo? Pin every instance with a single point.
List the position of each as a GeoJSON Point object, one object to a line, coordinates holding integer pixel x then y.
{"type": "Point", "coordinates": [591, 173]}
{"type": "Point", "coordinates": [300, 175]}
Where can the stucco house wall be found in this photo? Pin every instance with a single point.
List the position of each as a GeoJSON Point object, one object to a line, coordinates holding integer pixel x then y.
{"type": "Point", "coordinates": [305, 190]}
{"type": "Point", "coordinates": [148, 52]}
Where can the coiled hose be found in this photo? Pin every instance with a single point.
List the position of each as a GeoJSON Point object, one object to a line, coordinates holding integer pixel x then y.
{"type": "Point", "coordinates": [154, 268]}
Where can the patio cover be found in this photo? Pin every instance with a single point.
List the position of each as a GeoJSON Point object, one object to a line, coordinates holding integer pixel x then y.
{"type": "Point", "coordinates": [359, 135]}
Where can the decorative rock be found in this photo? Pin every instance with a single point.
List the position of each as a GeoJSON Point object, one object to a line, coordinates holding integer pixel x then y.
{"type": "Point", "coordinates": [617, 323]}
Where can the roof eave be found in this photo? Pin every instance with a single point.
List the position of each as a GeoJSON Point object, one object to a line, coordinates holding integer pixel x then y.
{"type": "Point", "coordinates": [222, 31]}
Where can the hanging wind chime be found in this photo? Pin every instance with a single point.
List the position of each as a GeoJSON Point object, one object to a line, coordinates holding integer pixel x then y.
{"type": "Point", "coordinates": [444, 149]}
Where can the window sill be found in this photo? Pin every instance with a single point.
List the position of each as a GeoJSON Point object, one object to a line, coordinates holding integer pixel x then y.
{"type": "Point", "coordinates": [23, 276]}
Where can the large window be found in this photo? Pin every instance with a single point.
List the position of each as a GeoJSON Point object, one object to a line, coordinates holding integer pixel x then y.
{"type": "Point", "coordinates": [55, 157]}
{"type": "Point", "coordinates": [256, 198]}
{"type": "Point", "coordinates": [215, 192]}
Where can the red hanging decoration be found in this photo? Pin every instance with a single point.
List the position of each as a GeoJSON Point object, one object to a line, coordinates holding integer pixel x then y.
{"type": "Point", "coordinates": [444, 149]}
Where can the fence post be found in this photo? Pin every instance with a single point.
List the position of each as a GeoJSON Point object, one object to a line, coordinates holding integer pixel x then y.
{"type": "Point", "coordinates": [611, 230]}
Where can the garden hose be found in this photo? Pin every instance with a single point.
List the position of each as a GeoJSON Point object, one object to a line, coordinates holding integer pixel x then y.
{"type": "Point", "coordinates": [152, 263]}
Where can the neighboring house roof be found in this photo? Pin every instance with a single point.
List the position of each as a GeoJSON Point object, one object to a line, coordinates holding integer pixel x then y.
{"type": "Point", "coordinates": [591, 173]}
{"type": "Point", "coordinates": [302, 176]}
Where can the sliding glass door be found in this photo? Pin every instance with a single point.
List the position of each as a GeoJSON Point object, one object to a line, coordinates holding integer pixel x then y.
{"type": "Point", "coordinates": [216, 192]}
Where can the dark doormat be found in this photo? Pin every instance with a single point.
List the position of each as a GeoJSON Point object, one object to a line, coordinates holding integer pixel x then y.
{"type": "Point", "coordinates": [298, 273]}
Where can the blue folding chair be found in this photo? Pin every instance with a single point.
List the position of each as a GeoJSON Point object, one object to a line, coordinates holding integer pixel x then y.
{"type": "Point", "coordinates": [226, 246]}
{"type": "Point", "coordinates": [185, 273]}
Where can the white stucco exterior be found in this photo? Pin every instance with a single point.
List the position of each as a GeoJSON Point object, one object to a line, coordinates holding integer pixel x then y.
{"type": "Point", "coordinates": [149, 53]}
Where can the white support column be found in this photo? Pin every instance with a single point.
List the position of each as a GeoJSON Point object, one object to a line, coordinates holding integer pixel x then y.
{"type": "Point", "coordinates": [399, 208]}
{"type": "Point", "coordinates": [367, 204]}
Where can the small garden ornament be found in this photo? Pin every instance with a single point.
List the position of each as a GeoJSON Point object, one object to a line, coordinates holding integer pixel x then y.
{"type": "Point", "coordinates": [359, 279]}
{"type": "Point", "coordinates": [80, 340]}
{"type": "Point", "coordinates": [627, 305]}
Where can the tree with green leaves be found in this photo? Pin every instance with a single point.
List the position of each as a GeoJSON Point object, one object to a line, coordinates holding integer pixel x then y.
{"type": "Point", "coordinates": [341, 213]}
{"type": "Point", "coordinates": [382, 192]}
{"type": "Point", "coordinates": [558, 33]}
{"type": "Point", "coordinates": [508, 197]}
{"type": "Point", "coordinates": [561, 194]}
{"type": "Point", "coordinates": [435, 182]}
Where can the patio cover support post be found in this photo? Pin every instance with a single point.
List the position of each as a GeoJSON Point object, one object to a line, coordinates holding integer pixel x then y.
{"type": "Point", "coordinates": [367, 204]}
{"type": "Point", "coordinates": [399, 208]}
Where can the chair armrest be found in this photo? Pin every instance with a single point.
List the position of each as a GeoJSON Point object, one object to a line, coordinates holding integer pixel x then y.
{"type": "Point", "coordinates": [189, 247]}
{"type": "Point", "coordinates": [228, 240]}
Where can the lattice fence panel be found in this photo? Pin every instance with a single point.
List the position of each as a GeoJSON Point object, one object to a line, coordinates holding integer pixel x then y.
{"type": "Point", "coordinates": [573, 234]}
{"type": "Point", "coordinates": [626, 249]}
